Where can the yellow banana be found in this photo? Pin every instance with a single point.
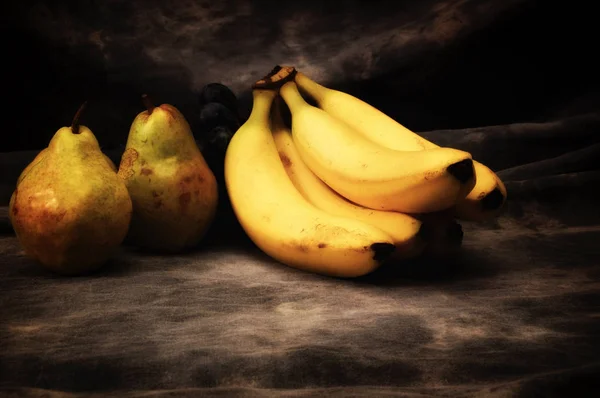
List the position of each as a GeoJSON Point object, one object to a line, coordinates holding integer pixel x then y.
{"type": "Point", "coordinates": [371, 175]}
{"type": "Point", "coordinates": [403, 228]}
{"type": "Point", "coordinates": [485, 199]}
{"type": "Point", "coordinates": [279, 220]}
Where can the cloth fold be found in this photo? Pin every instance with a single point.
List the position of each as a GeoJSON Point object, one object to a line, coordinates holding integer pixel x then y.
{"type": "Point", "coordinates": [515, 313]}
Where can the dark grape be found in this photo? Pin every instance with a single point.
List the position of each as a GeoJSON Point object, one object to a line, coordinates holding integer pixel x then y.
{"type": "Point", "coordinates": [214, 148]}
{"type": "Point", "coordinates": [214, 151]}
{"type": "Point", "coordinates": [219, 93]}
{"type": "Point", "coordinates": [218, 138]}
{"type": "Point", "coordinates": [214, 114]}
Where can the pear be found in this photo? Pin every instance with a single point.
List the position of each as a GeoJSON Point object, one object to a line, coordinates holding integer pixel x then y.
{"type": "Point", "coordinates": [70, 210]}
{"type": "Point", "coordinates": [173, 190]}
{"type": "Point", "coordinates": [43, 152]}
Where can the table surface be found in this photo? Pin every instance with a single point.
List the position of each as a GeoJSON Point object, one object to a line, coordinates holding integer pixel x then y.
{"type": "Point", "coordinates": [517, 314]}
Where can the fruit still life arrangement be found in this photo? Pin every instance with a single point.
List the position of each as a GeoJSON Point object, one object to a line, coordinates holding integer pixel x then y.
{"type": "Point", "coordinates": [318, 179]}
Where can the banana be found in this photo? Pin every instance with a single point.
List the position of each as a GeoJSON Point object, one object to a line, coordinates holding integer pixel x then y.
{"type": "Point", "coordinates": [444, 234]}
{"type": "Point", "coordinates": [404, 229]}
{"type": "Point", "coordinates": [371, 175]}
{"type": "Point", "coordinates": [279, 220]}
{"type": "Point", "coordinates": [486, 198]}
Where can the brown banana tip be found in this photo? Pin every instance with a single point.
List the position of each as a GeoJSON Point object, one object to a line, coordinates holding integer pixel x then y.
{"type": "Point", "coordinates": [493, 200]}
{"type": "Point", "coordinates": [278, 76]}
{"type": "Point", "coordinates": [382, 250]}
{"type": "Point", "coordinates": [463, 171]}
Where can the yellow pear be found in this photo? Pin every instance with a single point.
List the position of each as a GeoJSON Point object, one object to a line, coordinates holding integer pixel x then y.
{"type": "Point", "coordinates": [43, 153]}
{"type": "Point", "coordinates": [173, 190]}
{"type": "Point", "coordinates": [70, 210]}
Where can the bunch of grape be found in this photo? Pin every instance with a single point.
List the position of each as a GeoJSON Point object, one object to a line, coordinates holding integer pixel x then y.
{"type": "Point", "coordinates": [218, 120]}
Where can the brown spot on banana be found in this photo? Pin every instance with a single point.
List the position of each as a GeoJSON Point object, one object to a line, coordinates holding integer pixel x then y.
{"type": "Point", "coordinates": [285, 160]}
{"type": "Point", "coordinates": [303, 248]}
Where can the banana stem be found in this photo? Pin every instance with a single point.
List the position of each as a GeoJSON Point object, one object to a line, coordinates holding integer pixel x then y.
{"type": "Point", "coordinates": [262, 102]}
{"type": "Point", "coordinates": [278, 76]}
{"type": "Point", "coordinates": [148, 103]}
{"type": "Point", "coordinates": [274, 71]}
{"type": "Point", "coordinates": [75, 122]}
{"type": "Point", "coordinates": [310, 87]}
{"type": "Point", "coordinates": [292, 97]}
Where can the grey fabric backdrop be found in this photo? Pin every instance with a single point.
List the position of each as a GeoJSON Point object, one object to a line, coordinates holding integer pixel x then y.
{"type": "Point", "coordinates": [516, 314]}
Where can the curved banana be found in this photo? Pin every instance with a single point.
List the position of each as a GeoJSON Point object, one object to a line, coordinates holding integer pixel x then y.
{"type": "Point", "coordinates": [279, 220]}
{"type": "Point", "coordinates": [485, 199]}
{"type": "Point", "coordinates": [371, 175]}
{"type": "Point", "coordinates": [404, 229]}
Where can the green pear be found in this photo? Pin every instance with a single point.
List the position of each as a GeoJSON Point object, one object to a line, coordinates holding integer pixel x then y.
{"type": "Point", "coordinates": [70, 210]}
{"type": "Point", "coordinates": [43, 152]}
{"type": "Point", "coordinates": [173, 190]}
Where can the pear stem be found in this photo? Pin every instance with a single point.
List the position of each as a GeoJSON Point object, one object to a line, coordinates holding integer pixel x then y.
{"type": "Point", "coordinates": [75, 122]}
{"type": "Point", "coordinates": [148, 103]}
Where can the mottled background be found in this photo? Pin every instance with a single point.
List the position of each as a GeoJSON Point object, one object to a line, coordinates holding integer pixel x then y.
{"type": "Point", "coordinates": [517, 313]}
{"type": "Point", "coordinates": [432, 64]}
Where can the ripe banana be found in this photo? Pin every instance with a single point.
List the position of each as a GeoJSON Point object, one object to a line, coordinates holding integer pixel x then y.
{"type": "Point", "coordinates": [485, 199]}
{"type": "Point", "coordinates": [403, 228]}
{"type": "Point", "coordinates": [371, 175]}
{"type": "Point", "coordinates": [279, 220]}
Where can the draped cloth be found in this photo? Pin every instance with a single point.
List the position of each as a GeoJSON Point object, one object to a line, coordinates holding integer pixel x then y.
{"type": "Point", "coordinates": [515, 313]}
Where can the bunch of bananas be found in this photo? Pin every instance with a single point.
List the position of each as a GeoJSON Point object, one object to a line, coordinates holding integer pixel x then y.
{"type": "Point", "coordinates": [344, 188]}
